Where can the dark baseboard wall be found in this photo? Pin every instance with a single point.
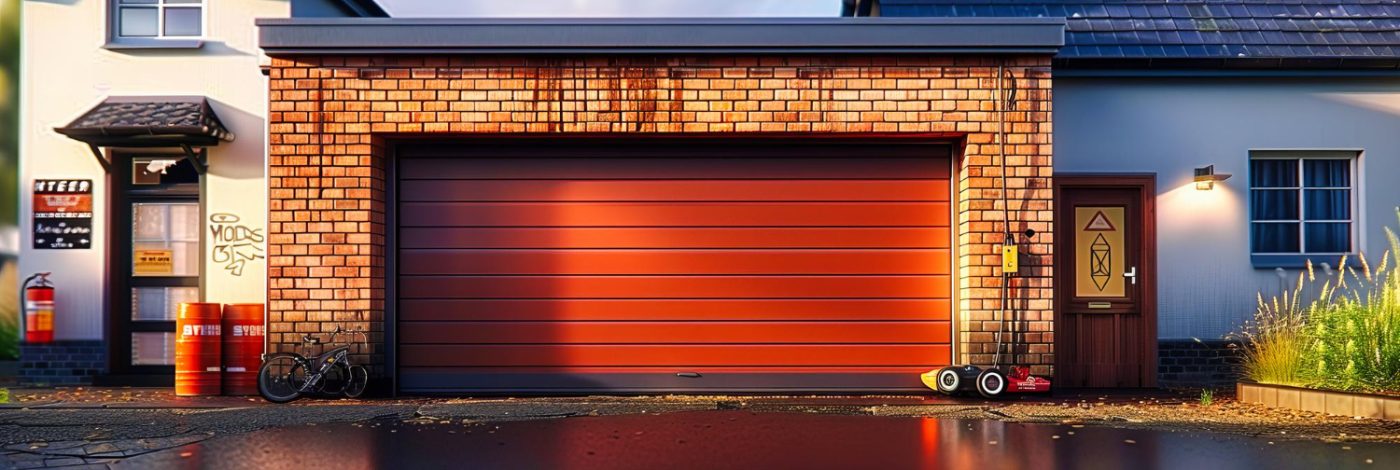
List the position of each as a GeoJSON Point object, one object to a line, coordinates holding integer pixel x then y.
{"type": "Point", "coordinates": [1191, 363]}
{"type": "Point", "coordinates": [62, 362]}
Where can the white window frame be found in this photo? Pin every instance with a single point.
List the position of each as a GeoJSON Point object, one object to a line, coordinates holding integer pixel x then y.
{"type": "Point", "coordinates": [115, 40]}
{"type": "Point", "coordinates": [1354, 199]}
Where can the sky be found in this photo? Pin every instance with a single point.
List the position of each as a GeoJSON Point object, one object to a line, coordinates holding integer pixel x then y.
{"type": "Point", "coordinates": [610, 8]}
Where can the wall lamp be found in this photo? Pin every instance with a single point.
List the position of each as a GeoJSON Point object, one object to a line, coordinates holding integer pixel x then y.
{"type": "Point", "coordinates": [1206, 177]}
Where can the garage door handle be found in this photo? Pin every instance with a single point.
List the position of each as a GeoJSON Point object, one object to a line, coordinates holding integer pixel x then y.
{"type": "Point", "coordinates": [688, 375]}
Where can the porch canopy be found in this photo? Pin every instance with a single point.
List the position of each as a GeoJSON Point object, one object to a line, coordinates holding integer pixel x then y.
{"type": "Point", "coordinates": [184, 122]}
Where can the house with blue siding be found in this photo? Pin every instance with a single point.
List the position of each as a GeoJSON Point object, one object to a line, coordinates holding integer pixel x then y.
{"type": "Point", "coordinates": [1299, 100]}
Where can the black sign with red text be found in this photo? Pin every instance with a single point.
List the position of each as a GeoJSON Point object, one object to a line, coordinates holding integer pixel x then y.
{"type": "Point", "coordinates": [62, 214]}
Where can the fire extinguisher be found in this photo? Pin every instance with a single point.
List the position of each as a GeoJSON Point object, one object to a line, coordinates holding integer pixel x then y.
{"type": "Point", "coordinates": [38, 309]}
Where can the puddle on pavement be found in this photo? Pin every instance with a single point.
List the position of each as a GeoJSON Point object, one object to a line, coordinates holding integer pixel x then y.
{"type": "Point", "coordinates": [743, 439]}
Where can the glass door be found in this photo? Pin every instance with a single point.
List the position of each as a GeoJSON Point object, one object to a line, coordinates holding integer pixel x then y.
{"type": "Point", "coordinates": [156, 254]}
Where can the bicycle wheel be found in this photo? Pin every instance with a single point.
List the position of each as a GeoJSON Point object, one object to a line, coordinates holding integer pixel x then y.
{"type": "Point", "coordinates": [281, 379]}
{"type": "Point", "coordinates": [357, 381]}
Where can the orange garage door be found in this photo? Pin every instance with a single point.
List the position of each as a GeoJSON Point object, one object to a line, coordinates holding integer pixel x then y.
{"type": "Point", "coordinates": [613, 267]}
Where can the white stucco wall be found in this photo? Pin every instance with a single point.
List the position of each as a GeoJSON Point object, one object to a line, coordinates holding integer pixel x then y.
{"type": "Point", "coordinates": [1169, 126]}
{"type": "Point", "coordinates": [65, 71]}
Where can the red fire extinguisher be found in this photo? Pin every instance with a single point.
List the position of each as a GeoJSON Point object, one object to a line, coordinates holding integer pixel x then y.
{"type": "Point", "coordinates": [38, 309]}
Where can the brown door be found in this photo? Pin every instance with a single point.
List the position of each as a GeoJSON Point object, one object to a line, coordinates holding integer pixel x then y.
{"type": "Point", "coordinates": [631, 267]}
{"type": "Point", "coordinates": [1105, 334]}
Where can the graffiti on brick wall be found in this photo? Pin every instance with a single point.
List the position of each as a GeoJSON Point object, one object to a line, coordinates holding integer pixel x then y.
{"type": "Point", "coordinates": [235, 244]}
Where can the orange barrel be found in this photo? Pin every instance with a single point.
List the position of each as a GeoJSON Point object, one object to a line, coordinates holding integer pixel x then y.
{"type": "Point", "coordinates": [197, 353]}
{"type": "Point", "coordinates": [243, 347]}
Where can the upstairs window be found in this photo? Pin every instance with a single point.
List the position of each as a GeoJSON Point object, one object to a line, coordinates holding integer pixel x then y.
{"type": "Point", "coordinates": [1302, 205]}
{"type": "Point", "coordinates": [147, 21]}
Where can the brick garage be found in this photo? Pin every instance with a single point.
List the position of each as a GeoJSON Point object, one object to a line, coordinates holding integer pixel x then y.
{"type": "Point", "coordinates": [334, 120]}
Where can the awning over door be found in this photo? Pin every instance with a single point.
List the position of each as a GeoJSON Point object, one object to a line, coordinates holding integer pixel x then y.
{"type": "Point", "coordinates": [185, 122]}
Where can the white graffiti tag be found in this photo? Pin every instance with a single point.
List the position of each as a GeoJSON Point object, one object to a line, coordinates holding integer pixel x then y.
{"type": "Point", "coordinates": [234, 244]}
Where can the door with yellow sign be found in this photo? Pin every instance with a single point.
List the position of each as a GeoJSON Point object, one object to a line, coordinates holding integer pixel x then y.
{"type": "Point", "coordinates": [1105, 331]}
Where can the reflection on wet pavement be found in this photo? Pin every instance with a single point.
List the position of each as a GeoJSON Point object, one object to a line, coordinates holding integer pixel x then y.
{"type": "Point", "coordinates": [744, 439]}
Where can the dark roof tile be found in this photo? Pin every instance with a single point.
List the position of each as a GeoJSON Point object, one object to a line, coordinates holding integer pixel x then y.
{"type": "Point", "coordinates": [149, 117]}
{"type": "Point", "coordinates": [1278, 29]}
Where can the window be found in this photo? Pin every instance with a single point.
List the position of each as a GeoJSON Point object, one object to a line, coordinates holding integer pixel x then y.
{"type": "Point", "coordinates": [1301, 206]}
{"type": "Point", "coordinates": [155, 23]}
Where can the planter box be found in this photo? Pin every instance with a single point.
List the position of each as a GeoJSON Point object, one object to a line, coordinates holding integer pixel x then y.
{"type": "Point", "coordinates": [1320, 401]}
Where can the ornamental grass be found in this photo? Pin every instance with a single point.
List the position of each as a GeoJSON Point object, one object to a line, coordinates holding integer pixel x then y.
{"type": "Point", "coordinates": [1345, 335]}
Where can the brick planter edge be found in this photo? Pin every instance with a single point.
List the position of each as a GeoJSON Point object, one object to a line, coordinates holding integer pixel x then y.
{"type": "Point", "coordinates": [1320, 401]}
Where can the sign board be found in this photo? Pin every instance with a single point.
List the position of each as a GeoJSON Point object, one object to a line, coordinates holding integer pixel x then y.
{"type": "Point", "coordinates": [62, 214]}
{"type": "Point", "coordinates": [1100, 252]}
{"type": "Point", "coordinates": [153, 262]}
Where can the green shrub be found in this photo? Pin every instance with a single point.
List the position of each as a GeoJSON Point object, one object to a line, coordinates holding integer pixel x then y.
{"type": "Point", "coordinates": [1345, 338]}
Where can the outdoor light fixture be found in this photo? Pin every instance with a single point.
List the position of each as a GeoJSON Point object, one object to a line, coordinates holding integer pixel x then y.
{"type": "Point", "coordinates": [1206, 177]}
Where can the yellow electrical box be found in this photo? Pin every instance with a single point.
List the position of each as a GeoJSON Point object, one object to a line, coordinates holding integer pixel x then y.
{"type": "Point", "coordinates": [1010, 260]}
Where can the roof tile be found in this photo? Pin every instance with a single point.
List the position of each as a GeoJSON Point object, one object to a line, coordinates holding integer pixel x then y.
{"type": "Point", "coordinates": [1278, 29]}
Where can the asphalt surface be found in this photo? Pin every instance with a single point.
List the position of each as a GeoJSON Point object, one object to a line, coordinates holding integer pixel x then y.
{"type": "Point", "coordinates": [741, 439]}
{"type": "Point", "coordinates": [151, 428]}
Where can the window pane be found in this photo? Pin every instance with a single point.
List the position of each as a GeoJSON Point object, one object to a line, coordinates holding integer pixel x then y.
{"type": "Point", "coordinates": [163, 170]}
{"type": "Point", "coordinates": [138, 22]}
{"type": "Point", "coordinates": [1328, 238]}
{"type": "Point", "coordinates": [182, 21]}
{"type": "Point", "coordinates": [1273, 204]}
{"type": "Point", "coordinates": [160, 303]}
{"type": "Point", "coordinates": [1330, 173]}
{"type": "Point", "coordinates": [149, 222]}
{"type": "Point", "coordinates": [184, 1]}
{"type": "Point", "coordinates": [135, 2]}
{"type": "Point", "coordinates": [153, 348]}
{"type": "Point", "coordinates": [1273, 173]}
{"type": "Point", "coordinates": [184, 222]}
{"type": "Point", "coordinates": [165, 239]}
{"type": "Point", "coordinates": [1327, 204]}
{"type": "Point", "coordinates": [1274, 238]}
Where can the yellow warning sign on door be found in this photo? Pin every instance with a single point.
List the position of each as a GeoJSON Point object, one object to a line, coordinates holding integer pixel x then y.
{"type": "Point", "coordinates": [1099, 252]}
{"type": "Point", "coordinates": [152, 262]}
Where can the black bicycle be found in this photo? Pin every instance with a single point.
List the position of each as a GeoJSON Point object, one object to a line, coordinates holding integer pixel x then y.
{"type": "Point", "coordinates": [284, 377]}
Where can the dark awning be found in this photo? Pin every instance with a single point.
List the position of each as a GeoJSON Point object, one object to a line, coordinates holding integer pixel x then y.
{"type": "Point", "coordinates": [185, 122]}
{"type": "Point", "coordinates": [149, 121]}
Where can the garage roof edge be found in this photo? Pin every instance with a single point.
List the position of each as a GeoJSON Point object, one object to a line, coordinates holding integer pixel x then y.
{"type": "Point", "coordinates": [661, 36]}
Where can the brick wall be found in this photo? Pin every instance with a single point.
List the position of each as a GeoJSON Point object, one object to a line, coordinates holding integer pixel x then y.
{"type": "Point", "coordinates": [330, 117]}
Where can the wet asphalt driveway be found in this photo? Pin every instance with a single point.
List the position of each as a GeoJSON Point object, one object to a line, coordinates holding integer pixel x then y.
{"type": "Point", "coordinates": [747, 439]}
{"type": "Point", "coordinates": [150, 428]}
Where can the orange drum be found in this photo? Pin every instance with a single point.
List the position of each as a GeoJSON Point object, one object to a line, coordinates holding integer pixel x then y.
{"type": "Point", "coordinates": [243, 347]}
{"type": "Point", "coordinates": [197, 352]}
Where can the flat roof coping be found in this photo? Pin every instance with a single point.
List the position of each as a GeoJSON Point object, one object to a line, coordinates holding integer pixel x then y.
{"type": "Point", "coordinates": [603, 36]}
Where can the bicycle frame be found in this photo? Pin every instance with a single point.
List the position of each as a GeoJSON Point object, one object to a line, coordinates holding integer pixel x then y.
{"type": "Point", "coordinates": [319, 365]}
{"type": "Point", "coordinates": [323, 363]}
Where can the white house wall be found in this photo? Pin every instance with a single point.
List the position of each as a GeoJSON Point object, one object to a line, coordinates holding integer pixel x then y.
{"type": "Point", "coordinates": [1169, 126]}
{"type": "Point", "coordinates": [66, 71]}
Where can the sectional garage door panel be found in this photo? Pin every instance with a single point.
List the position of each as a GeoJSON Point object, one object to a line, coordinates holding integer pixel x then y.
{"type": "Point", "coordinates": [695, 268]}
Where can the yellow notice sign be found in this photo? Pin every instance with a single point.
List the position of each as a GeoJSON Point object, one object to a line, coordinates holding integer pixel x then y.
{"type": "Point", "coordinates": [152, 262]}
{"type": "Point", "coordinates": [1099, 252]}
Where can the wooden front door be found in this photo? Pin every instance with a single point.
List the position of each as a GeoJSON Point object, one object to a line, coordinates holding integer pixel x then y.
{"type": "Point", "coordinates": [1105, 332]}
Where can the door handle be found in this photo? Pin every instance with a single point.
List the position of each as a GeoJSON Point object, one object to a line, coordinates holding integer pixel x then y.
{"type": "Point", "coordinates": [1131, 275]}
